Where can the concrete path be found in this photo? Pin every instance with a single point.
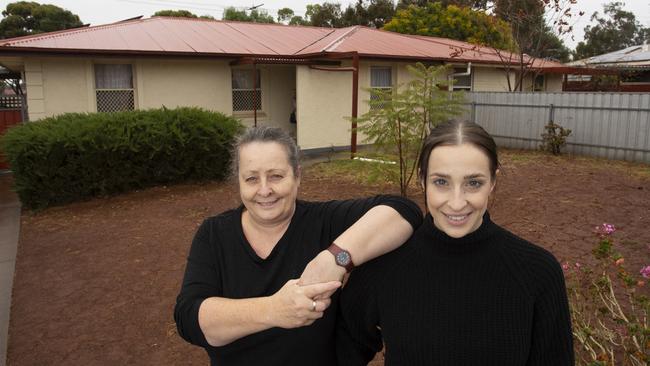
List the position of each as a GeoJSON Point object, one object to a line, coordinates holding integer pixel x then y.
{"type": "Point", "coordinates": [9, 230]}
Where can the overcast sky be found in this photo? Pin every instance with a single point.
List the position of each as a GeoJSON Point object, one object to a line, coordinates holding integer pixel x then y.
{"type": "Point", "coordinates": [98, 12]}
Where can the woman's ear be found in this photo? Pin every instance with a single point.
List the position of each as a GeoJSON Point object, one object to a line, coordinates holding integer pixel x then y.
{"type": "Point", "coordinates": [494, 180]}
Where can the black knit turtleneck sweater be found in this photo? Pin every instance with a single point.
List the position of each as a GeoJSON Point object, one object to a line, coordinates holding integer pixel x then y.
{"type": "Point", "coordinates": [489, 298]}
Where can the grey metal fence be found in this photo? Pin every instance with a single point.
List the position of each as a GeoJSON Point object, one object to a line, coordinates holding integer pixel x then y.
{"type": "Point", "coordinates": [611, 125]}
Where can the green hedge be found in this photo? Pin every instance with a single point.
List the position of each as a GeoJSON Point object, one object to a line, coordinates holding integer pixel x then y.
{"type": "Point", "coordinates": [72, 156]}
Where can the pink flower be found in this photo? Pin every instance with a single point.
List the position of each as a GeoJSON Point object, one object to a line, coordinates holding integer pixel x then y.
{"type": "Point", "coordinates": [645, 272]}
{"type": "Point", "coordinates": [578, 265]}
{"type": "Point", "coordinates": [605, 229]}
{"type": "Point", "coordinates": [565, 266]}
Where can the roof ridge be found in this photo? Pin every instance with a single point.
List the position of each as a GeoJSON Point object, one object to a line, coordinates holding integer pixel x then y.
{"type": "Point", "coordinates": [63, 32]}
{"type": "Point", "coordinates": [335, 43]}
{"type": "Point", "coordinates": [316, 41]}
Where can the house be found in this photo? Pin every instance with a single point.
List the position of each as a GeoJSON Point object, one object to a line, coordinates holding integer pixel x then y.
{"type": "Point", "coordinates": [631, 65]}
{"type": "Point", "coordinates": [260, 73]}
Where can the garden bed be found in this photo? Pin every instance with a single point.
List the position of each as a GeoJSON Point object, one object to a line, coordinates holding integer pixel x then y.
{"type": "Point", "coordinates": [96, 281]}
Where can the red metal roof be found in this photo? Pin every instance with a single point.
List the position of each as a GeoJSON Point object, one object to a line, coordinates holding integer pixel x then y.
{"type": "Point", "coordinates": [185, 36]}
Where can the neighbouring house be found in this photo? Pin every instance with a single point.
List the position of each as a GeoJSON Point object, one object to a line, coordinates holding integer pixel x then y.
{"type": "Point", "coordinates": [629, 71]}
{"type": "Point", "coordinates": [308, 80]}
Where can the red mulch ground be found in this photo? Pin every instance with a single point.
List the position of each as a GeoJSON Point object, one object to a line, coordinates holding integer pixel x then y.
{"type": "Point", "coordinates": [96, 281]}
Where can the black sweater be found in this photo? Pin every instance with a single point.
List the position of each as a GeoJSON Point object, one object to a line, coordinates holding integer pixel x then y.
{"type": "Point", "coordinates": [222, 263]}
{"type": "Point", "coordinates": [489, 298]}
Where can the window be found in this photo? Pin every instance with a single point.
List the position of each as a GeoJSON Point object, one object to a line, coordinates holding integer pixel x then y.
{"type": "Point", "coordinates": [114, 87]}
{"type": "Point", "coordinates": [245, 95]}
{"type": "Point", "coordinates": [462, 82]}
{"type": "Point", "coordinates": [380, 79]}
{"type": "Point", "coordinates": [538, 85]}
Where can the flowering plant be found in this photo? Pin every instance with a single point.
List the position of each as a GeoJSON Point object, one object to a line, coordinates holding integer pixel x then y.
{"type": "Point", "coordinates": [610, 318]}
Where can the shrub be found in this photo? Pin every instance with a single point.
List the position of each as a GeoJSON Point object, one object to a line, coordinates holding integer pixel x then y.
{"type": "Point", "coordinates": [72, 156]}
{"type": "Point", "coordinates": [554, 138]}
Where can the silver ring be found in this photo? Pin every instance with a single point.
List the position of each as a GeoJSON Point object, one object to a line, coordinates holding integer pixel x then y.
{"type": "Point", "coordinates": [313, 305]}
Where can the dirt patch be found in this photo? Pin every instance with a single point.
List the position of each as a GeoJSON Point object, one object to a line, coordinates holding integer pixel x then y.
{"type": "Point", "coordinates": [96, 281]}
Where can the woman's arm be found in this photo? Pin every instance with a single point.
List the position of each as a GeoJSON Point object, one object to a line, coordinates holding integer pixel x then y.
{"type": "Point", "coordinates": [205, 318]}
{"type": "Point", "coordinates": [552, 340]}
{"type": "Point", "coordinates": [380, 230]}
{"type": "Point", "coordinates": [223, 320]}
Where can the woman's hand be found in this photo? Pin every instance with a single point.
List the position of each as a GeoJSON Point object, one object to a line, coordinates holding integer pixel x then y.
{"type": "Point", "coordinates": [320, 269]}
{"type": "Point", "coordinates": [294, 305]}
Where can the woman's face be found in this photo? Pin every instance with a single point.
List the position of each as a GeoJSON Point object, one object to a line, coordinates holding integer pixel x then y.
{"type": "Point", "coordinates": [458, 186]}
{"type": "Point", "coordinates": [267, 184]}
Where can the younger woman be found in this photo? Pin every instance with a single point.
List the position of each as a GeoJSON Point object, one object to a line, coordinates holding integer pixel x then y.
{"type": "Point", "coordinates": [462, 291]}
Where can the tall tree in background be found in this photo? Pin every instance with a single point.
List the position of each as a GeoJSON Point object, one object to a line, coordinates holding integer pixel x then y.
{"type": "Point", "coordinates": [25, 18]}
{"type": "Point", "coordinates": [463, 24]}
{"type": "Point", "coordinates": [254, 15]}
{"type": "Point", "coordinates": [474, 4]}
{"type": "Point", "coordinates": [618, 30]}
{"type": "Point", "coordinates": [285, 15]}
{"type": "Point", "coordinates": [175, 13]}
{"type": "Point", "coordinates": [372, 13]}
{"type": "Point", "coordinates": [325, 15]}
{"type": "Point", "coordinates": [538, 27]}
{"type": "Point", "coordinates": [180, 14]}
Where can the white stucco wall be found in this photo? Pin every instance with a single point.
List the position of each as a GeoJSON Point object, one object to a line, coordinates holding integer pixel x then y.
{"type": "Point", "coordinates": [55, 86]}
{"type": "Point", "coordinates": [174, 83]}
{"type": "Point", "coordinates": [554, 83]}
{"type": "Point", "coordinates": [490, 79]}
{"type": "Point", "coordinates": [61, 85]}
{"type": "Point", "coordinates": [324, 100]}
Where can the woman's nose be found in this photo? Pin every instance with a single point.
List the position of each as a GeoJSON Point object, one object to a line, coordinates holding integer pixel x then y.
{"type": "Point", "coordinates": [457, 201]}
{"type": "Point", "coordinates": [264, 189]}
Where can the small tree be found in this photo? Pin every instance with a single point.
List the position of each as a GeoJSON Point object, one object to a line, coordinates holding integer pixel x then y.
{"type": "Point", "coordinates": [399, 120]}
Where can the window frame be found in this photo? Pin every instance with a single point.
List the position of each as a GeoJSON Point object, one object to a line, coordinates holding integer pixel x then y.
{"type": "Point", "coordinates": [543, 84]}
{"type": "Point", "coordinates": [258, 88]}
{"type": "Point", "coordinates": [388, 88]}
{"type": "Point", "coordinates": [97, 90]}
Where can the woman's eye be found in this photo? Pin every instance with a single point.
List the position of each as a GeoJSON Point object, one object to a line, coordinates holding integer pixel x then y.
{"type": "Point", "coordinates": [475, 184]}
{"type": "Point", "coordinates": [276, 177]}
{"type": "Point", "coordinates": [439, 182]}
{"type": "Point", "coordinates": [251, 179]}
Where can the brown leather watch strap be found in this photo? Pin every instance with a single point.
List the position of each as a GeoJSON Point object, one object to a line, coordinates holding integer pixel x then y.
{"type": "Point", "coordinates": [342, 257]}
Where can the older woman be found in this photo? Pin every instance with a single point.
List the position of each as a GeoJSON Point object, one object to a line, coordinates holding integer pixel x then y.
{"type": "Point", "coordinates": [241, 299]}
{"type": "Point", "coordinates": [462, 291]}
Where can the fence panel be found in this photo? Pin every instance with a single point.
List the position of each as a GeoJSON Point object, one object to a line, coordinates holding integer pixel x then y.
{"type": "Point", "coordinates": [12, 112]}
{"type": "Point", "coordinates": [611, 125]}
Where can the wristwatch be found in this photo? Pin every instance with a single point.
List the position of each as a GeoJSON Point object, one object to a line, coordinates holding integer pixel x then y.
{"type": "Point", "coordinates": [342, 257]}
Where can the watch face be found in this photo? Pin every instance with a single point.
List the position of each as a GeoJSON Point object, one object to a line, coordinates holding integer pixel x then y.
{"type": "Point", "coordinates": [343, 258]}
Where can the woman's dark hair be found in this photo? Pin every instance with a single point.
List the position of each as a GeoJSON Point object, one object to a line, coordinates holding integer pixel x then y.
{"type": "Point", "coordinates": [458, 133]}
{"type": "Point", "coordinates": [267, 134]}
